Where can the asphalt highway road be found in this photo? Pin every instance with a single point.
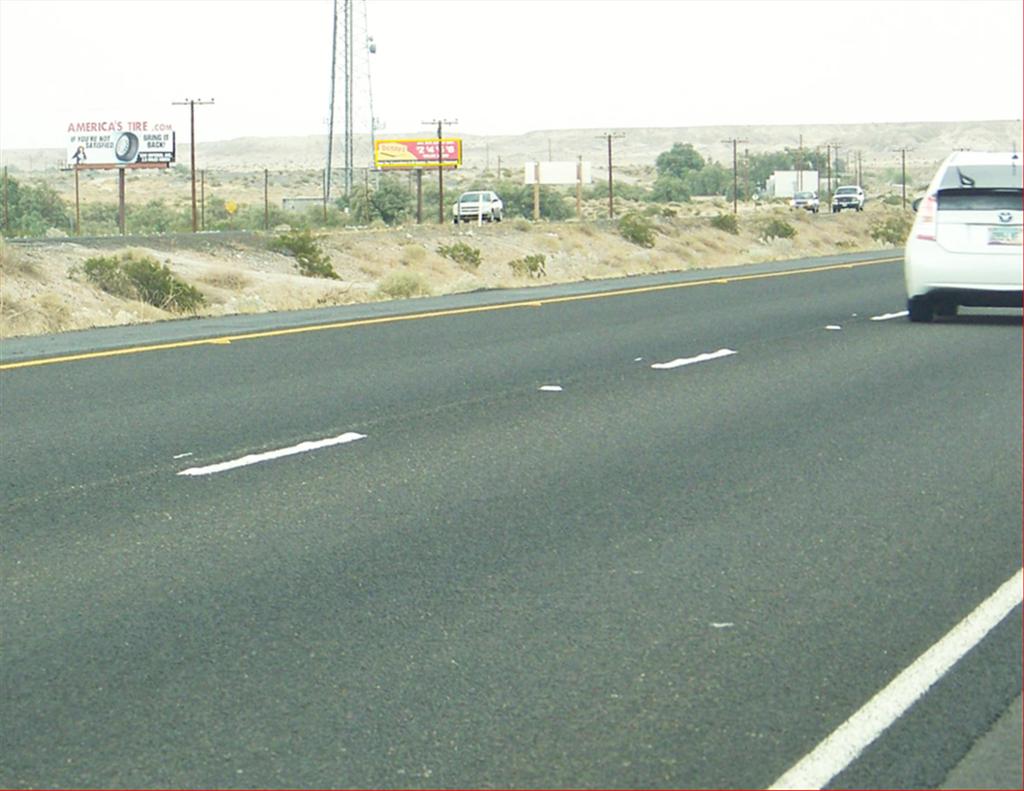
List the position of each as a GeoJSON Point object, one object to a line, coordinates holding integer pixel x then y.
{"type": "Point", "coordinates": [671, 536]}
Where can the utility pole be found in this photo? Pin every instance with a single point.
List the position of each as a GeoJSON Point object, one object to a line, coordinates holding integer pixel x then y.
{"type": "Point", "coordinates": [903, 172]}
{"type": "Point", "coordinates": [735, 181]}
{"type": "Point", "coordinates": [192, 145]}
{"type": "Point", "coordinates": [828, 152]}
{"type": "Point", "coordinates": [746, 172]}
{"type": "Point", "coordinates": [440, 167]}
{"type": "Point", "coordinates": [609, 136]}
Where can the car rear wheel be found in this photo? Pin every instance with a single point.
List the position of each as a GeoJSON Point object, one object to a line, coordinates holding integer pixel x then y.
{"type": "Point", "coordinates": [920, 309]}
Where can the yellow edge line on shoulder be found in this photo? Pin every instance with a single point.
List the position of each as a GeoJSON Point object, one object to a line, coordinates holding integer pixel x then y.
{"type": "Point", "coordinates": [532, 303]}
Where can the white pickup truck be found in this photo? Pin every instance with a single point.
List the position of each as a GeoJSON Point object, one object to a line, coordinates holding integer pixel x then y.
{"type": "Point", "coordinates": [851, 197]}
{"type": "Point", "coordinates": [485, 205]}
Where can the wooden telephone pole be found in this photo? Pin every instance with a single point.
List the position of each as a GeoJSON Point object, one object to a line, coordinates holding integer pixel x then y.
{"type": "Point", "coordinates": [609, 136]}
{"type": "Point", "coordinates": [735, 180]}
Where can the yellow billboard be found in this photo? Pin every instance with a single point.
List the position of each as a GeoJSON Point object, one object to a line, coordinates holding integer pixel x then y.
{"type": "Point", "coordinates": [425, 153]}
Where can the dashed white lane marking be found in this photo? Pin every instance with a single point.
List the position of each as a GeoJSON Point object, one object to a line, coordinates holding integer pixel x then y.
{"type": "Point", "coordinates": [887, 316]}
{"type": "Point", "coordinates": [700, 358]}
{"type": "Point", "coordinates": [691, 360]}
{"type": "Point", "coordinates": [256, 458]}
{"type": "Point", "coordinates": [845, 743]}
{"type": "Point", "coordinates": [550, 388]}
{"type": "Point", "coordinates": [833, 327]}
{"type": "Point", "coordinates": [182, 455]}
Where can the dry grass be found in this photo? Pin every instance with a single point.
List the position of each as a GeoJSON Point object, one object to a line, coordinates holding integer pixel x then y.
{"type": "Point", "coordinates": [226, 279]}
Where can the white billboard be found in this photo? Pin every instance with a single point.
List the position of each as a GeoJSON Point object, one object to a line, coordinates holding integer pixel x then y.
{"type": "Point", "coordinates": [556, 172]}
{"type": "Point", "coordinates": [119, 143]}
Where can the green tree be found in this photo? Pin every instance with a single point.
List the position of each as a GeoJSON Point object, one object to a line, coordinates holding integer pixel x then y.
{"type": "Point", "coordinates": [678, 161]}
{"type": "Point", "coordinates": [391, 202]}
{"type": "Point", "coordinates": [33, 209]}
{"type": "Point", "coordinates": [668, 189]}
{"type": "Point", "coordinates": [712, 179]}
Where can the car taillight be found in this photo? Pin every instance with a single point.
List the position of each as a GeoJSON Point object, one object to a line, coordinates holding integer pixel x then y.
{"type": "Point", "coordinates": [926, 218]}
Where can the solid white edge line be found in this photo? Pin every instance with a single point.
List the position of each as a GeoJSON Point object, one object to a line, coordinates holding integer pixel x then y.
{"type": "Point", "coordinates": [256, 458]}
{"type": "Point", "coordinates": [847, 742]}
{"type": "Point", "coordinates": [700, 358]}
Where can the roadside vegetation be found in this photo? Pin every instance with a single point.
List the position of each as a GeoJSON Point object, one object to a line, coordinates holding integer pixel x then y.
{"type": "Point", "coordinates": [132, 275]}
{"type": "Point", "coordinates": [679, 176]}
{"type": "Point", "coordinates": [305, 248]}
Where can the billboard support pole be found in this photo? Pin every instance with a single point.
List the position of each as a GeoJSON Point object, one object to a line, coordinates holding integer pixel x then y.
{"type": "Point", "coordinates": [536, 190]}
{"type": "Point", "coordinates": [579, 186]}
{"type": "Point", "coordinates": [121, 224]}
{"type": "Point", "coordinates": [78, 215]}
{"type": "Point", "coordinates": [419, 197]}
{"type": "Point", "coordinates": [266, 199]}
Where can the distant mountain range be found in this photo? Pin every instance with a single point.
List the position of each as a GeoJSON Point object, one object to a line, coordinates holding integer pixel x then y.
{"type": "Point", "coordinates": [878, 145]}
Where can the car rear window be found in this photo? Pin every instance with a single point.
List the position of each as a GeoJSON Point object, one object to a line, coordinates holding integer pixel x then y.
{"type": "Point", "coordinates": [981, 176]}
{"type": "Point", "coordinates": [976, 199]}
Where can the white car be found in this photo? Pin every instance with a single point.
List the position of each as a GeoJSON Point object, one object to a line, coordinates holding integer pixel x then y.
{"type": "Point", "coordinates": [483, 204]}
{"type": "Point", "coordinates": [806, 200]}
{"type": "Point", "coordinates": [965, 245]}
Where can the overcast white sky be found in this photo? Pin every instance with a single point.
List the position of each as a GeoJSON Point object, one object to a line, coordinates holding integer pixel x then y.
{"type": "Point", "coordinates": [507, 66]}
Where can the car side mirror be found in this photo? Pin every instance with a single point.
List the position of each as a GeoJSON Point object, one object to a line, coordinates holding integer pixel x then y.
{"type": "Point", "coordinates": [916, 203]}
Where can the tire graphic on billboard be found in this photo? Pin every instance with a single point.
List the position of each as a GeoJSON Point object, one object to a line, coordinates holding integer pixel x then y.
{"type": "Point", "coordinates": [126, 147]}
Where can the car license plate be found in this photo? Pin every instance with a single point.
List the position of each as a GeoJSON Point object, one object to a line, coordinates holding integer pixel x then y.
{"type": "Point", "coordinates": [1004, 234]}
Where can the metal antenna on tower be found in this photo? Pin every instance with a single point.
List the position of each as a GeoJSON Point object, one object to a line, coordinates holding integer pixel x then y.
{"type": "Point", "coordinates": [330, 122]}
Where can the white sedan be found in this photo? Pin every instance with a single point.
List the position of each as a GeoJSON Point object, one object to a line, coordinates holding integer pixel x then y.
{"type": "Point", "coordinates": [965, 245]}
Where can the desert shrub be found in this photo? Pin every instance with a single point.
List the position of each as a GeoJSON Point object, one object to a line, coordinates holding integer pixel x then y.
{"type": "Point", "coordinates": [892, 230]}
{"type": "Point", "coordinates": [529, 266]}
{"type": "Point", "coordinates": [413, 254]}
{"type": "Point", "coordinates": [725, 222]}
{"type": "Point", "coordinates": [620, 189]}
{"type": "Point", "coordinates": [402, 285]}
{"type": "Point", "coordinates": [776, 228]}
{"type": "Point", "coordinates": [637, 230]}
{"type": "Point", "coordinates": [518, 200]}
{"type": "Point", "coordinates": [461, 253]}
{"type": "Point", "coordinates": [156, 217]}
{"type": "Point", "coordinates": [134, 276]}
{"type": "Point", "coordinates": [305, 248]}
{"type": "Point", "coordinates": [521, 225]}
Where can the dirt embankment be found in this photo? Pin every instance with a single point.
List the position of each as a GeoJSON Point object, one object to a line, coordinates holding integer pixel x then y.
{"type": "Point", "coordinates": [43, 288]}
